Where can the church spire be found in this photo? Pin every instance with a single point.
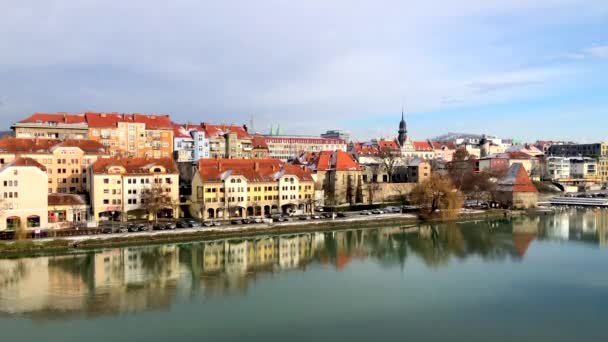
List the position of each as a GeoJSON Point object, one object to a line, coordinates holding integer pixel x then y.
{"type": "Point", "coordinates": [402, 137]}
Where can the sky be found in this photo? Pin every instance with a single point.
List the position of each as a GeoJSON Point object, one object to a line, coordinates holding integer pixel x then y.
{"type": "Point", "coordinates": [516, 68]}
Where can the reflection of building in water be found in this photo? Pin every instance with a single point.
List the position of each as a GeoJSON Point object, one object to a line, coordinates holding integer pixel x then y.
{"type": "Point", "coordinates": [602, 227]}
{"type": "Point", "coordinates": [35, 284]}
{"type": "Point", "coordinates": [289, 252]}
{"type": "Point", "coordinates": [557, 227]}
{"type": "Point", "coordinates": [526, 225]}
{"type": "Point", "coordinates": [109, 268]}
{"type": "Point", "coordinates": [236, 257]}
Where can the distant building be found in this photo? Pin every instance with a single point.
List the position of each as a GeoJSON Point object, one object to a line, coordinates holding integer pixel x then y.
{"type": "Point", "coordinates": [286, 147]}
{"type": "Point", "coordinates": [52, 126]}
{"type": "Point", "coordinates": [337, 134]}
{"type": "Point", "coordinates": [228, 141]}
{"type": "Point", "coordinates": [339, 175]}
{"type": "Point", "coordinates": [575, 150]}
{"type": "Point", "coordinates": [129, 135]}
{"type": "Point", "coordinates": [516, 190]}
{"type": "Point", "coordinates": [190, 143]}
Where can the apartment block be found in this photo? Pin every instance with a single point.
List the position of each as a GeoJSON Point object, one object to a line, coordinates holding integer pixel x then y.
{"type": "Point", "coordinates": [120, 187]}
{"type": "Point", "coordinates": [287, 147]}
{"type": "Point", "coordinates": [65, 161]}
{"type": "Point", "coordinates": [249, 187]}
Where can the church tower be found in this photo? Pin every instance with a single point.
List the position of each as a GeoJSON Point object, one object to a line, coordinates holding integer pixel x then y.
{"type": "Point", "coordinates": [402, 137]}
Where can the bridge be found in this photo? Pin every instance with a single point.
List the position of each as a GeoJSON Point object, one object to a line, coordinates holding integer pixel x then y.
{"type": "Point", "coordinates": [578, 201]}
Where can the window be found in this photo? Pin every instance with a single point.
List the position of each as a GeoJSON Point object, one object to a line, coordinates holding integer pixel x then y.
{"type": "Point", "coordinates": [106, 181]}
{"type": "Point", "coordinates": [106, 201]}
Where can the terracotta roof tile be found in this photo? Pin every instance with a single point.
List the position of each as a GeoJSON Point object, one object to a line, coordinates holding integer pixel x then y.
{"type": "Point", "coordinates": [516, 180]}
{"type": "Point", "coordinates": [20, 161]}
{"type": "Point", "coordinates": [27, 145]}
{"type": "Point", "coordinates": [55, 117]}
{"type": "Point", "coordinates": [335, 160]}
{"type": "Point", "coordinates": [422, 146]}
{"type": "Point", "coordinates": [65, 199]}
{"type": "Point", "coordinates": [254, 170]}
{"type": "Point", "coordinates": [108, 120]}
{"type": "Point", "coordinates": [217, 130]}
{"type": "Point", "coordinates": [259, 142]}
{"type": "Point", "coordinates": [134, 165]}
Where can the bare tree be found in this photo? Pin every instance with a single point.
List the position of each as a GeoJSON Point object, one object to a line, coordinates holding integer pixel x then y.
{"type": "Point", "coordinates": [155, 199]}
{"type": "Point", "coordinates": [389, 158]}
{"type": "Point", "coordinates": [371, 188]}
{"type": "Point", "coordinates": [437, 196]}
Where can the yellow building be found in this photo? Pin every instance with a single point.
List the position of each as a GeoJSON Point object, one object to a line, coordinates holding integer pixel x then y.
{"type": "Point", "coordinates": [66, 162]}
{"type": "Point", "coordinates": [602, 169]}
{"type": "Point", "coordinates": [21, 205]}
{"type": "Point", "coordinates": [120, 187]}
{"type": "Point", "coordinates": [249, 187]}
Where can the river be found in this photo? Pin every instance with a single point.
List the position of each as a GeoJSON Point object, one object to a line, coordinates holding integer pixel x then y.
{"type": "Point", "coordinates": [537, 278]}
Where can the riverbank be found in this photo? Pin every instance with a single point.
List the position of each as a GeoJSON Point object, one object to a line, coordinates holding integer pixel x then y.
{"type": "Point", "coordinates": [79, 243]}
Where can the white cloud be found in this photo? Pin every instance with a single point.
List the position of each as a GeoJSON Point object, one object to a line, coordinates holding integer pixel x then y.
{"type": "Point", "coordinates": [297, 63]}
{"type": "Point", "coordinates": [598, 51]}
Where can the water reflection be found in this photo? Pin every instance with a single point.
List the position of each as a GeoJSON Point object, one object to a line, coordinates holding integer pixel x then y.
{"type": "Point", "coordinates": [148, 278]}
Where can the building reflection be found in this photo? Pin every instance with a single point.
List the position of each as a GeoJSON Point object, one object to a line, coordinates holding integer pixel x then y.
{"type": "Point", "coordinates": [134, 279]}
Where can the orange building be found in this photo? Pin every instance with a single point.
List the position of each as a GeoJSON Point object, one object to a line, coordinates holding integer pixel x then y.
{"type": "Point", "coordinates": [134, 135]}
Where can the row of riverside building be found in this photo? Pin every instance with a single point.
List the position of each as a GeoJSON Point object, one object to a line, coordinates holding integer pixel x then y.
{"type": "Point", "coordinates": [62, 170]}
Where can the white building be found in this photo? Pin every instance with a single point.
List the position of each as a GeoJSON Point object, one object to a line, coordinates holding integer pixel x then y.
{"type": "Point", "coordinates": [23, 201]}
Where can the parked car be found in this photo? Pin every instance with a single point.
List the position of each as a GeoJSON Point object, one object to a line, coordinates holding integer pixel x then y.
{"type": "Point", "coordinates": [217, 223]}
{"type": "Point", "coordinates": [365, 212]}
{"type": "Point", "coordinates": [207, 223]}
{"type": "Point", "coordinates": [192, 223]}
{"type": "Point", "coordinates": [106, 230]}
{"type": "Point", "coordinates": [122, 229]}
{"type": "Point", "coordinates": [251, 220]}
{"type": "Point", "coordinates": [304, 218]}
{"type": "Point", "coordinates": [340, 215]}
{"type": "Point", "coordinates": [316, 217]}
{"type": "Point", "coordinates": [377, 212]}
{"type": "Point", "coordinates": [132, 227]}
{"type": "Point", "coordinates": [170, 226]}
{"type": "Point", "coordinates": [236, 222]}
{"type": "Point", "coordinates": [158, 226]}
{"type": "Point", "coordinates": [141, 227]}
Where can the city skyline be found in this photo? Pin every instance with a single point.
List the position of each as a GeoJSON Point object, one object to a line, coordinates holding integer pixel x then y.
{"type": "Point", "coordinates": [501, 68]}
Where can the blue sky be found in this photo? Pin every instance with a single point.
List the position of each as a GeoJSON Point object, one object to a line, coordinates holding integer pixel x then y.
{"type": "Point", "coordinates": [521, 69]}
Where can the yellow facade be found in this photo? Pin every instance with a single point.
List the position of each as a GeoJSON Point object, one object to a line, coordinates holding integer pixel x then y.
{"type": "Point", "coordinates": [236, 197]}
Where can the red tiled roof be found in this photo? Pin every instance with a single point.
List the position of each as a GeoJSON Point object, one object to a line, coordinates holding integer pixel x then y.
{"type": "Point", "coordinates": [516, 180]}
{"type": "Point", "coordinates": [254, 170]}
{"type": "Point", "coordinates": [65, 199]}
{"type": "Point", "coordinates": [134, 165]}
{"type": "Point", "coordinates": [439, 145]}
{"type": "Point", "coordinates": [422, 146]}
{"type": "Point", "coordinates": [519, 155]}
{"type": "Point", "coordinates": [365, 149]}
{"type": "Point", "coordinates": [521, 242]}
{"type": "Point", "coordinates": [20, 161]}
{"type": "Point", "coordinates": [55, 117]}
{"type": "Point", "coordinates": [109, 120]}
{"type": "Point", "coordinates": [27, 145]}
{"type": "Point", "coordinates": [388, 144]}
{"type": "Point", "coordinates": [258, 141]}
{"type": "Point", "coordinates": [87, 146]}
{"type": "Point", "coordinates": [217, 130]}
{"type": "Point", "coordinates": [335, 160]}
{"type": "Point", "coordinates": [179, 131]}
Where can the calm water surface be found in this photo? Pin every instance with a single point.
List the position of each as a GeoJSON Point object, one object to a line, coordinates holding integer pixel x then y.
{"type": "Point", "coordinates": [533, 279]}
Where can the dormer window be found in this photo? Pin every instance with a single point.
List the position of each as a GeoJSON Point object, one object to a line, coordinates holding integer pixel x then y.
{"type": "Point", "coordinates": [157, 169]}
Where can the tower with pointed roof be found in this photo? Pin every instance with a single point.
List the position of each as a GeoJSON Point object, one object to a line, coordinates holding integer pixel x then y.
{"type": "Point", "coordinates": [402, 137]}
